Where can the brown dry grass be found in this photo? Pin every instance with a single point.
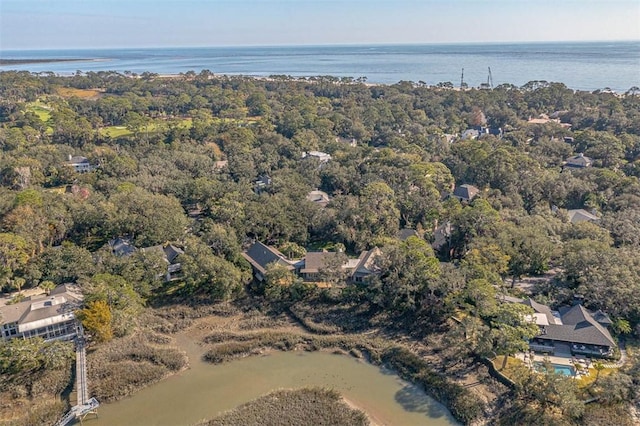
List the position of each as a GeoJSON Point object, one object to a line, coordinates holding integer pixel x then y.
{"type": "Point", "coordinates": [312, 406]}
{"type": "Point", "coordinates": [70, 92]}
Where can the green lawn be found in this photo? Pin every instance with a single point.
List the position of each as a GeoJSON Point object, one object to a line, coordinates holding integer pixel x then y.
{"type": "Point", "coordinates": [158, 125]}
{"type": "Point", "coordinates": [115, 131]}
{"type": "Point", "coordinates": [42, 110]}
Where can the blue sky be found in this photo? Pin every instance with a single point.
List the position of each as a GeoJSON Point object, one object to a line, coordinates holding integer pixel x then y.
{"type": "Point", "coordinates": [49, 24]}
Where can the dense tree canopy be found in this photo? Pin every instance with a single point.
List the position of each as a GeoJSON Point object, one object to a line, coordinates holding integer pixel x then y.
{"type": "Point", "coordinates": [209, 163]}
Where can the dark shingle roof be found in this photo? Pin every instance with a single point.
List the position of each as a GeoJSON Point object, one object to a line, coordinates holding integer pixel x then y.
{"type": "Point", "coordinates": [579, 326]}
{"type": "Point", "coordinates": [121, 246]}
{"type": "Point", "coordinates": [602, 318]}
{"type": "Point", "coordinates": [171, 252]}
{"type": "Point", "coordinates": [466, 192]}
{"type": "Point", "coordinates": [261, 255]}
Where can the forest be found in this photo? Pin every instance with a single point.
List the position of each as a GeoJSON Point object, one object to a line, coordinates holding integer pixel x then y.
{"type": "Point", "coordinates": [211, 163]}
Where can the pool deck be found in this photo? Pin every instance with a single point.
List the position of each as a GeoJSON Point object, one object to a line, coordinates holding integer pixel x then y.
{"type": "Point", "coordinates": [567, 360]}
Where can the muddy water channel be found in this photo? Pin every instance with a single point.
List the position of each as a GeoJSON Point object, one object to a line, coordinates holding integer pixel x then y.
{"type": "Point", "coordinates": [205, 390]}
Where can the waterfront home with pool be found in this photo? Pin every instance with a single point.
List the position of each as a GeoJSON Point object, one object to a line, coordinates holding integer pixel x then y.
{"type": "Point", "coordinates": [572, 330]}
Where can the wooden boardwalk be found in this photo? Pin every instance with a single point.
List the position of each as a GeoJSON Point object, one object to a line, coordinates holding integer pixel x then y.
{"type": "Point", "coordinates": [84, 405]}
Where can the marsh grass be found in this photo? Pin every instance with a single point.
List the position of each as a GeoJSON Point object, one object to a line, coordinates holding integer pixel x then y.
{"type": "Point", "coordinates": [43, 412]}
{"type": "Point", "coordinates": [307, 406]}
{"type": "Point", "coordinates": [31, 397]}
{"type": "Point", "coordinates": [228, 345]}
{"type": "Point", "coordinates": [123, 366]}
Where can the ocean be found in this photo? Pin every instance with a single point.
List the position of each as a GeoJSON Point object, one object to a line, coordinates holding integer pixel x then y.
{"type": "Point", "coordinates": [579, 65]}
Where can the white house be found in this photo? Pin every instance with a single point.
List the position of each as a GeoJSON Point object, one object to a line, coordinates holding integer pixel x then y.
{"type": "Point", "coordinates": [50, 317]}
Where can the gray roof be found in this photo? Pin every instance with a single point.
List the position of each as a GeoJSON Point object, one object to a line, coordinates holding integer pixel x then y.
{"type": "Point", "coordinates": [441, 235]}
{"type": "Point", "coordinates": [466, 192]}
{"type": "Point", "coordinates": [366, 264]}
{"type": "Point", "coordinates": [261, 255]}
{"type": "Point", "coordinates": [319, 197]}
{"type": "Point", "coordinates": [171, 252]}
{"type": "Point", "coordinates": [405, 233]}
{"type": "Point", "coordinates": [168, 251]}
{"type": "Point", "coordinates": [581, 215]}
{"type": "Point", "coordinates": [578, 326]}
{"type": "Point", "coordinates": [121, 246]}
{"type": "Point", "coordinates": [314, 261]}
{"type": "Point", "coordinates": [61, 300]}
{"type": "Point", "coordinates": [77, 159]}
{"type": "Point", "coordinates": [602, 318]}
{"type": "Point", "coordinates": [578, 161]}
{"type": "Point", "coordinates": [540, 309]}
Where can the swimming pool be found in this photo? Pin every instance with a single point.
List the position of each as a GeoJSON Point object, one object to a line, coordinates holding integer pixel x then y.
{"type": "Point", "coordinates": [565, 370]}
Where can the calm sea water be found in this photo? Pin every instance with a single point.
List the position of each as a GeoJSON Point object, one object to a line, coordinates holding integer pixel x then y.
{"type": "Point", "coordinates": [581, 66]}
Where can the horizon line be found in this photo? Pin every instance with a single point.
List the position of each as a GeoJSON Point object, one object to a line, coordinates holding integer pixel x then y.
{"type": "Point", "coordinates": [450, 43]}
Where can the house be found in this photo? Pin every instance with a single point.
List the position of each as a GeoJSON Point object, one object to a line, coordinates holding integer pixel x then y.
{"type": "Point", "coordinates": [312, 265]}
{"type": "Point", "coordinates": [465, 192]}
{"type": "Point", "coordinates": [581, 215]}
{"type": "Point", "coordinates": [470, 134]}
{"type": "Point", "coordinates": [262, 183]}
{"type": "Point", "coordinates": [80, 164]}
{"type": "Point", "coordinates": [476, 132]}
{"type": "Point", "coordinates": [577, 162]}
{"type": "Point", "coordinates": [571, 330]}
{"type": "Point", "coordinates": [121, 246]}
{"type": "Point", "coordinates": [170, 254]}
{"type": "Point", "coordinates": [366, 266]}
{"type": "Point", "coordinates": [50, 317]}
{"type": "Point", "coordinates": [322, 157]}
{"type": "Point", "coordinates": [442, 236]}
{"type": "Point", "coordinates": [352, 142]}
{"type": "Point", "coordinates": [260, 256]}
{"type": "Point", "coordinates": [309, 268]}
{"type": "Point", "coordinates": [320, 198]}
{"type": "Point", "coordinates": [405, 233]}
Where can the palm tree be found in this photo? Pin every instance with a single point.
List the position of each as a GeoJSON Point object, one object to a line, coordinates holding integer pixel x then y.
{"type": "Point", "coordinates": [47, 286]}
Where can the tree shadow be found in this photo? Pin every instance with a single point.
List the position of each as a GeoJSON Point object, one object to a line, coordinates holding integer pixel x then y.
{"type": "Point", "coordinates": [415, 400]}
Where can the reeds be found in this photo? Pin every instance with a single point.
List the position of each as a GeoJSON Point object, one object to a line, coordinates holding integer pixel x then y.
{"type": "Point", "coordinates": [308, 406]}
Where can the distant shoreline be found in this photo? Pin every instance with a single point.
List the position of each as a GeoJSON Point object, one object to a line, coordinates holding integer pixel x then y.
{"type": "Point", "coordinates": [40, 61]}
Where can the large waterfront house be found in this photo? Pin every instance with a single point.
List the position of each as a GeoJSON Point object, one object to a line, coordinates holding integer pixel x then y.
{"type": "Point", "coordinates": [312, 266]}
{"type": "Point", "coordinates": [571, 330]}
{"type": "Point", "coordinates": [48, 316]}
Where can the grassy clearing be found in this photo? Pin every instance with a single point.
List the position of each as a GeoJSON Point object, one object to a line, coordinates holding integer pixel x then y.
{"type": "Point", "coordinates": [41, 109]}
{"type": "Point", "coordinates": [308, 406]}
{"type": "Point", "coordinates": [115, 131]}
{"type": "Point", "coordinates": [587, 380]}
{"type": "Point", "coordinates": [70, 92]}
{"type": "Point", "coordinates": [153, 127]}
